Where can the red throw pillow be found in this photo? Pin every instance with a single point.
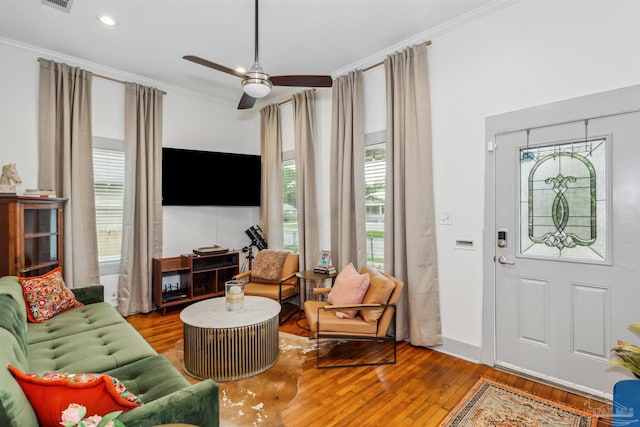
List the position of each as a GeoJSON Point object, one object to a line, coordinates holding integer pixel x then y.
{"type": "Point", "coordinates": [47, 296]}
{"type": "Point", "coordinates": [348, 289]}
{"type": "Point", "coordinates": [52, 392]}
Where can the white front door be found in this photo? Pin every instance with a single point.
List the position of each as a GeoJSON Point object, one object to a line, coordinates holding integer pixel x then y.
{"type": "Point", "coordinates": [567, 245]}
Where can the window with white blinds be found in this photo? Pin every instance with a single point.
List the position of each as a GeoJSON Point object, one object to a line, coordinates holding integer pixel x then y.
{"type": "Point", "coordinates": [375, 163]}
{"type": "Point", "coordinates": [289, 207]}
{"type": "Point", "coordinates": [108, 182]}
{"type": "Point", "coordinates": [289, 183]}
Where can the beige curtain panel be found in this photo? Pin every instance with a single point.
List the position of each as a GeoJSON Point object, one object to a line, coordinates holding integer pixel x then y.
{"type": "Point", "coordinates": [142, 223]}
{"type": "Point", "coordinates": [271, 215]}
{"type": "Point", "coordinates": [410, 235]}
{"type": "Point", "coordinates": [65, 157]}
{"type": "Point", "coordinates": [306, 197]}
{"type": "Point", "coordinates": [348, 233]}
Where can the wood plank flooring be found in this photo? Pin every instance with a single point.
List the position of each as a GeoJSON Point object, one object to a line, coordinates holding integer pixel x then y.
{"type": "Point", "coordinates": [419, 390]}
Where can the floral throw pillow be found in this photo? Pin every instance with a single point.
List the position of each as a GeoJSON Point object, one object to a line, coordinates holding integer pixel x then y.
{"type": "Point", "coordinates": [51, 393]}
{"type": "Point", "coordinates": [47, 296]}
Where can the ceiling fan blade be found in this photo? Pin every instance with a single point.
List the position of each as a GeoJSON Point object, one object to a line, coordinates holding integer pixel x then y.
{"type": "Point", "coordinates": [302, 81]}
{"type": "Point", "coordinates": [213, 65]}
{"type": "Point", "coordinates": [246, 102]}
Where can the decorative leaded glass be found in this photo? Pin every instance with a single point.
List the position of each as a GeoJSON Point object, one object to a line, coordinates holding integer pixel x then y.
{"type": "Point", "coordinates": [563, 201]}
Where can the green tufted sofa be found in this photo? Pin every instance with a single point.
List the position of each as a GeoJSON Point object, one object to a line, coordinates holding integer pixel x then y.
{"type": "Point", "coordinates": [96, 339]}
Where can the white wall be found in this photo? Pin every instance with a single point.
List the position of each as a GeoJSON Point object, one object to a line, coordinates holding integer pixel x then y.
{"type": "Point", "coordinates": [19, 112]}
{"type": "Point", "coordinates": [375, 100]}
{"type": "Point", "coordinates": [531, 53]}
{"type": "Point", "coordinates": [323, 171]}
{"type": "Point", "coordinates": [190, 121]}
{"type": "Point", "coordinates": [526, 54]}
{"type": "Point", "coordinates": [198, 123]}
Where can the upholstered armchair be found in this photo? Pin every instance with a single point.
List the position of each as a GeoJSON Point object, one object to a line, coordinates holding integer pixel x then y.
{"type": "Point", "coordinates": [273, 276]}
{"type": "Point", "coordinates": [373, 319]}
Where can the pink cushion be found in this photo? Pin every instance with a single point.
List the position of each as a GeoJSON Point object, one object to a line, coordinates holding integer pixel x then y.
{"type": "Point", "coordinates": [348, 289]}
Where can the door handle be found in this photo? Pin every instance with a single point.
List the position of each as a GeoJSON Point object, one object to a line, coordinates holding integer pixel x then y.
{"type": "Point", "coordinates": [503, 260]}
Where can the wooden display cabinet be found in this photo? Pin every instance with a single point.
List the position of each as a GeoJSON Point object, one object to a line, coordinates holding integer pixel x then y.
{"type": "Point", "coordinates": [189, 278]}
{"type": "Point", "coordinates": [31, 235]}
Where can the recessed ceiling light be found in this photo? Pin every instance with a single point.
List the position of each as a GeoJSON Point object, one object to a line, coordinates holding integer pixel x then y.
{"type": "Point", "coordinates": [107, 20]}
{"type": "Point", "coordinates": [241, 70]}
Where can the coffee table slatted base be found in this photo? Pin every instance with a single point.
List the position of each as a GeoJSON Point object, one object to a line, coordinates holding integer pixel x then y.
{"type": "Point", "coordinates": [227, 354]}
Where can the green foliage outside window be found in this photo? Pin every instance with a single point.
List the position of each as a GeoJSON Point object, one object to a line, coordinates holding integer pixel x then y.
{"type": "Point", "coordinates": [290, 212]}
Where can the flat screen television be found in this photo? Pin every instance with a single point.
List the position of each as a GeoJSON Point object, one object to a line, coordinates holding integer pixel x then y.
{"type": "Point", "coordinates": [208, 178]}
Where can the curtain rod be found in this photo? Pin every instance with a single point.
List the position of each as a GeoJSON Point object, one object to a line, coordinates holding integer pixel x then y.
{"type": "Point", "coordinates": [370, 67]}
{"type": "Point", "coordinates": [291, 98]}
{"type": "Point", "coordinates": [109, 78]}
{"type": "Point", "coordinates": [377, 64]}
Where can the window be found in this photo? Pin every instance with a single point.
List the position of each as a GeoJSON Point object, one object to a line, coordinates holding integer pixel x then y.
{"type": "Point", "coordinates": [108, 184]}
{"type": "Point", "coordinates": [289, 206]}
{"type": "Point", "coordinates": [374, 179]}
{"type": "Point", "coordinates": [289, 186]}
{"type": "Point", "coordinates": [563, 201]}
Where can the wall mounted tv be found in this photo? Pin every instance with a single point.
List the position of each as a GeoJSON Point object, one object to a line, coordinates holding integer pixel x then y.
{"type": "Point", "coordinates": [207, 178]}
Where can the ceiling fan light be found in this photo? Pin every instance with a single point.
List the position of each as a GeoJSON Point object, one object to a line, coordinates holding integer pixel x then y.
{"type": "Point", "coordinates": [256, 82]}
{"type": "Point", "coordinates": [256, 88]}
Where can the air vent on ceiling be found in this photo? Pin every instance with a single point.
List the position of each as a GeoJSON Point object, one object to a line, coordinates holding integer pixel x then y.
{"type": "Point", "coordinates": [64, 5]}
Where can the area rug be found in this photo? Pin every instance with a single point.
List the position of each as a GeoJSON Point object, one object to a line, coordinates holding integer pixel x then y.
{"type": "Point", "coordinates": [258, 400]}
{"type": "Point", "coordinates": [490, 403]}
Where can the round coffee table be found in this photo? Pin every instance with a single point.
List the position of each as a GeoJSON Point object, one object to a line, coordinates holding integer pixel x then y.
{"type": "Point", "coordinates": [230, 345]}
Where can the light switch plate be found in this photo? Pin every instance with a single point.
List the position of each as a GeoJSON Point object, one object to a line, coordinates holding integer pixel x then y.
{"type": "Point", "coordinates": [445, 218]}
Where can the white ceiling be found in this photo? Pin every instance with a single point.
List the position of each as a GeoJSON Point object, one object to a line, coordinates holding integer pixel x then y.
{"type": "Point", "coordinates": [296, 36]}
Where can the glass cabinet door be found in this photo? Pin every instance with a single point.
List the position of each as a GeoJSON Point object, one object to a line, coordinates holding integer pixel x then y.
{"type": "Point", "coordinates": [38, 221]}
{"type": "Point", "coordinates": [41, 240]}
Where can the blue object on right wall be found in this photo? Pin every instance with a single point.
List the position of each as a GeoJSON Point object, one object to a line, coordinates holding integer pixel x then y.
{"type": "Point", "coordinates": [626, 403]}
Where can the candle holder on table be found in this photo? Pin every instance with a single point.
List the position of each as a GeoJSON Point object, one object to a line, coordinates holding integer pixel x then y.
{"type": "Point", "coordinates": [234, 295]}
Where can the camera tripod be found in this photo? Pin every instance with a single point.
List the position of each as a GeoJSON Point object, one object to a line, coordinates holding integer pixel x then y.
{"type": "Point", "coordinates": [248, 261]}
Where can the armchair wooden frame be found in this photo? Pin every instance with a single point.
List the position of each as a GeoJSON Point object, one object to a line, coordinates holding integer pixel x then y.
{"type": "Point", "coordinates": [389, 334]}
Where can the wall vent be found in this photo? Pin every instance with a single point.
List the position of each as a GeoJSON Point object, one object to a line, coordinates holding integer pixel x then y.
{"type": "Point", "coordinates": [64, 5]}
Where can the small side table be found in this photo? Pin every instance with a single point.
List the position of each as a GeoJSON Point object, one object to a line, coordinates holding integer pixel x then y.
{"type": "Point", "coordinates": [317, 279]}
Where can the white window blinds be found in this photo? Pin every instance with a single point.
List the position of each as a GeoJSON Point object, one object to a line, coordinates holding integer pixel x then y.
{"type": "Point", "coordinates": [375, 164]}
{"type": "Point", "coordinates": [108, 170]}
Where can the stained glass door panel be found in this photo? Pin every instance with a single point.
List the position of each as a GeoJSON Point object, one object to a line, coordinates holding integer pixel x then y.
{"type": "Point", "coordinates": [566, 286]}
{"type": "Point", "coordinates": [563, 201]}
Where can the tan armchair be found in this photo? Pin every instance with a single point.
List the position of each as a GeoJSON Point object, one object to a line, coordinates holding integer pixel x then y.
{"type": "Point", "coordinates": [273, 276]}
{"type": "Point", "coordinates": [374, 321]}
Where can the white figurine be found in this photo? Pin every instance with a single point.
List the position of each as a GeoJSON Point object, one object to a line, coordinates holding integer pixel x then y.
{"type": "Point", "coordinates": [9, 178]}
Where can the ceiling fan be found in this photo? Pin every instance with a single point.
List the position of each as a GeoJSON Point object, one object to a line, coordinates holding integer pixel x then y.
{"type": "Point", "coordinates": [255, 82]}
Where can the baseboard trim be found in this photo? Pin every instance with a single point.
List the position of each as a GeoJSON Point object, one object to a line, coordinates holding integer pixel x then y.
{"type": "Point", "coordinates": [459, 349]}
{"type": "Point", "coordinates": [588, 393]}
{"type": "Point", "coordinates": [472, 353]}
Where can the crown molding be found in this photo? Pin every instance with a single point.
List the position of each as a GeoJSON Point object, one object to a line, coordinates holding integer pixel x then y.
{"type": "Point", "coordinates": [439, 30]}
{"type": "Point", "coordinates": [112, 72]}
{"type": "Point", "coordinates": [229, 98]}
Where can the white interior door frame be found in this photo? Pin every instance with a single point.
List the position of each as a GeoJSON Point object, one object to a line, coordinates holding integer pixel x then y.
{"type": "Point", "coordinates": [618, 101]}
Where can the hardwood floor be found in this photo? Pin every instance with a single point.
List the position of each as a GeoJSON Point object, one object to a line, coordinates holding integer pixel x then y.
{"type": "Point", "coordinates": [419, 390]}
